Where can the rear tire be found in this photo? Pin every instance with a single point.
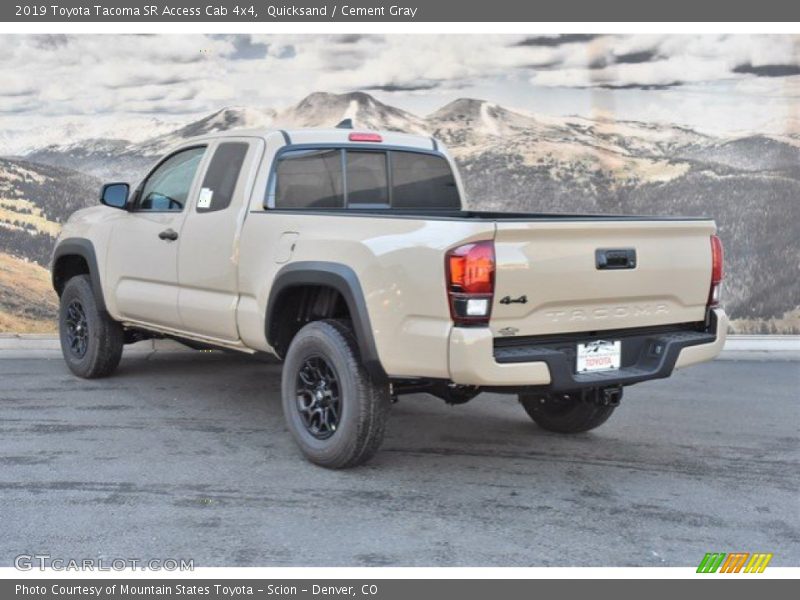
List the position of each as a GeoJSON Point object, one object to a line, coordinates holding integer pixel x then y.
{"type": "Point", "coordinates": [565, 413]}
{"type": "Point", "coordinates": [334, 410]}
{"type": "Point", "coordinates": [91, 341]}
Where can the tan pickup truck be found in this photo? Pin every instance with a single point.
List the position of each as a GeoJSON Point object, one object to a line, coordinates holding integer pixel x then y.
{"type": "Point", "coordinates": [350, 256]}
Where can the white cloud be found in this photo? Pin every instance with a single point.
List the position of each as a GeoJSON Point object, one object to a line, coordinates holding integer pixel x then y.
{"type": "Point", "coordinates": [84, 75]}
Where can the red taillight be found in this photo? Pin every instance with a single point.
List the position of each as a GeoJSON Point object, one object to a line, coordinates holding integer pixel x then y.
{"type": "Point", "coordinates": [365, 137]}
{"type": "Point", "coordinates": [717, 258]}
{"type": "Point", "coordinates": [470, 282]}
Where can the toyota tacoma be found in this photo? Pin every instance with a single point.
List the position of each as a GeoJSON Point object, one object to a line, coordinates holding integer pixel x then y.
{"type": "Point", "coordinates": [351, 257]}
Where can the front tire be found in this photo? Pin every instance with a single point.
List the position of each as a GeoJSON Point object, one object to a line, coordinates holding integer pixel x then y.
{"type": "Point", "coordinates": [334, 410]}
{"type": "Point", "coordinates": [565, 413]}
{"type": "Point", "coordinates": [91, 341]}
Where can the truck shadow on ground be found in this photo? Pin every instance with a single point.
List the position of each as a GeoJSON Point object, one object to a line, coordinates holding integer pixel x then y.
{"type": "Point", "coordinates": [228, 394]}
{"type": "Point", "coordinates": [243, 393]}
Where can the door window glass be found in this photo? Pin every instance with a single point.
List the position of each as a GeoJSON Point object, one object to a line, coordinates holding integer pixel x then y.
{"type": "Point", "coordinates": [168, 186]}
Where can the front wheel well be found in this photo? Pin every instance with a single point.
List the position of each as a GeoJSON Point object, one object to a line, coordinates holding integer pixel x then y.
{"type": "Point", "coordinates": [65, 268]}
{"type": "Point", "coordinates": [299, 305]}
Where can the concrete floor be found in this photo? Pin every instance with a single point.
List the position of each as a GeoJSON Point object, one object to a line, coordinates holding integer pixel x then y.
{"type": "Point", "coordinates": [187, 456]}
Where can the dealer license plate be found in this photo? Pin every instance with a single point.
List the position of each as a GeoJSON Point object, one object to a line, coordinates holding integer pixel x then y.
{"type": "Point", "coordinates": [600, 355]}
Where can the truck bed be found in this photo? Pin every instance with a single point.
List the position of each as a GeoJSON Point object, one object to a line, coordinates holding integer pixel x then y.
{"type": "Point", "coordinates": [474, 215]}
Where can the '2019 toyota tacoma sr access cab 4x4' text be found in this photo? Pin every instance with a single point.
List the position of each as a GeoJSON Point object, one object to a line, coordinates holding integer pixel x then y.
{"type": "Point", "coordinates": [349, 256]}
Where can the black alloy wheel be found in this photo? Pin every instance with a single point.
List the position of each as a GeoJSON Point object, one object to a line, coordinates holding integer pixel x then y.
{"type": "Point", "coordinates": [334, 409]}
{"type": "Point", "coordinates": [91, 341]}
{"type": "Point", "coordinates": [77, 329]}
{"type": "Point", "coordinates": [319, 399]}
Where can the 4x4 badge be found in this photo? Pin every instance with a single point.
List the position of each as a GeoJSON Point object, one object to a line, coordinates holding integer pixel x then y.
{"type": "Point", "coordinates": [510, 300]}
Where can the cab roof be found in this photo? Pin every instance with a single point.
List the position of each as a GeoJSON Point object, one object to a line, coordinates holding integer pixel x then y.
{"type": "Point", "coordinates": [331, 135]}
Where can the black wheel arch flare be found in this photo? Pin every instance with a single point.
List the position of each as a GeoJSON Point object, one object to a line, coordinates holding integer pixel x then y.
{"type": "Point", "coordinates": [84, 249]}
{"type": "Point", "coordinates": [344, 280]}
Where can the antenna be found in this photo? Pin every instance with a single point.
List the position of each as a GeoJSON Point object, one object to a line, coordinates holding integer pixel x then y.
{"type": "Point", "coordinates": [345, 124]}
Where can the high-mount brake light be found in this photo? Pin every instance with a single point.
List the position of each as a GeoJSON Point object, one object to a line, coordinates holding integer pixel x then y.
{"type": "Point", "coordinates": [717, 270]}
{"type": "Point", "coordinates": [470, 282]}
{"type": "Point", "coordinates": [365, 137]}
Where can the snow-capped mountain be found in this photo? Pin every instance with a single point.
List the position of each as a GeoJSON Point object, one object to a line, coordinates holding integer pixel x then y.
{"type": "Point", "coordinates": [327, 110]}
{"type": "Point", "coordinates": [481, 118]}
{"type": "Point", "coordinates": [127, 159]}
{"type": "Point", "coordinates": [473, 126]}
{"type": "Point", "coordinates": [468, 126]}
{"type": "Point", "coordinates": [234, 117]}
{"type": "Point", "coordinates": [65, 133]}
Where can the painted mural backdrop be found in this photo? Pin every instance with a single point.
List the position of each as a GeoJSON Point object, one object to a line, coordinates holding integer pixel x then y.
{"type": "Point", "coordinates": [664, 125]}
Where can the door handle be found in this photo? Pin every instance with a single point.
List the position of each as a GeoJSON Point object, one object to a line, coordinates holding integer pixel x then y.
{"type": "Point", "coordinates": [615, 258]}
{"type": "Point", "coordinates": [169, 235]}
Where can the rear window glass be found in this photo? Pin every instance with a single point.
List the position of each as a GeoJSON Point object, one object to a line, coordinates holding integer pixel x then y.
{"type": "Point", "coordinates": [309, 179]}
{"type": "Point", "coordinates": [423, 181]}
{"type": "Point", "coordinates": [221, 177]}
{"type": "Point", "coordinates": [367, 179]}
{"type": "Point", "coordinates": [355, 178]}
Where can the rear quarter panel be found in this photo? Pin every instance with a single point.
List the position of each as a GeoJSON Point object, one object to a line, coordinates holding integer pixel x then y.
{"type": "Point", "coordinates": [400, 266]}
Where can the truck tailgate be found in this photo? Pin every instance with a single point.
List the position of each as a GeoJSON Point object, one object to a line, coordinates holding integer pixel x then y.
{"type": "Point", "coordinates": [572, 276]}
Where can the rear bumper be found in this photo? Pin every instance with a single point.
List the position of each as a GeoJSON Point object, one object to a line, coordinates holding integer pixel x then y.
{"type": "Point", "coordinates": [477, 358]}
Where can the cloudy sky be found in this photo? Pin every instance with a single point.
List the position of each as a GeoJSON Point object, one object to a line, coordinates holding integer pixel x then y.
{"type": "Point", "coordinates": [718, 83]}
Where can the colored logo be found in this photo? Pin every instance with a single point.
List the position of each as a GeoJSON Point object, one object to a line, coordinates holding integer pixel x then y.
{"type": "Point", "coordinates": [735, 562]}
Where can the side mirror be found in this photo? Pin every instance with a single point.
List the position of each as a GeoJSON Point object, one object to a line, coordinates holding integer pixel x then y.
{"type": "Point", "coordinates": [115, 195]}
